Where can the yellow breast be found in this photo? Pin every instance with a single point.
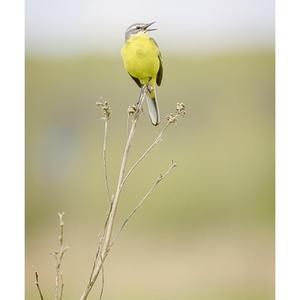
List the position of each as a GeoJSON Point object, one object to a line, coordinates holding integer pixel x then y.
{"type": "Point", "coordinates": [140, 57]}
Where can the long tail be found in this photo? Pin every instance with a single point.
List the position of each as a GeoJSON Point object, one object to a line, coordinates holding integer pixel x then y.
{"type": "Point", "coordinates": [153, 107]}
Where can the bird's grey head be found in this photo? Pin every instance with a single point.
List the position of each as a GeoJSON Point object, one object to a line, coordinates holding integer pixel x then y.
{"type": "Point", "coordinates": [138, 27]}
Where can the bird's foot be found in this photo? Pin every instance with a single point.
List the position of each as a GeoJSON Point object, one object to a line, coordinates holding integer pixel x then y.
{"type": "Point", "coordinates": [149, 88]}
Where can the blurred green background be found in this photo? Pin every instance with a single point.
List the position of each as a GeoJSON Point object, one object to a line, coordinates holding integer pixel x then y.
{"type": "Point", "coordinates": [207, 232]}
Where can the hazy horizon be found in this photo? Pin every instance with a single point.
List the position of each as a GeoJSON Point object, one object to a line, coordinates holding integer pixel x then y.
{"type": "Point", "coordinates": [64, 27]}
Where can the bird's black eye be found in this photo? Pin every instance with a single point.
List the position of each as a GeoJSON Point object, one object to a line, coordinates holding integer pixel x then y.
{"type": "Point", "coordinates": [138, 27]}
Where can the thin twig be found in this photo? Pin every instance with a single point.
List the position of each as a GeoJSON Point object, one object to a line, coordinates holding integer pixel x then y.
{"type": "Point", "coordinates": [127, 125]}
{"type": "Point", "coordinates": [96, 257]}
{"type": "Point", "coordinates": [102, 282]}
{"type": "Point", "coordinates": [171, 119]}
{"type": "Point", "coordinates": [58, 255]}
{"type": "Point", "coordinates": [155, 142]}
{"type": "Point", "coordinates": [98, 253]}
{"type": "Point", "coordinates": [111, 217]}
{"type": "Point", "coordinates": [106, 116]}
{"type": "Point", "coordinates": [159, 179]}
{"type": "Point", "coordinates": [62, 287]}
{"type": "Point", "coordinates": [105, 160]}
{"type": "Point", "coordinates": [38, 285]}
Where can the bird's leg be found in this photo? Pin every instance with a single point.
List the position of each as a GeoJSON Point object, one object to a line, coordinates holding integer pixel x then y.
{"type": "Point", "coordinates": [144, 90]}
{"type": "Point", "coordinates": [149, 87]}
{"type": "Point", "coordinates": [140, 96]}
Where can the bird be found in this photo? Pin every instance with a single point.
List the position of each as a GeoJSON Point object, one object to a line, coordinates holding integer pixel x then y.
{"type": "Point", "coordinates": [143, 61]}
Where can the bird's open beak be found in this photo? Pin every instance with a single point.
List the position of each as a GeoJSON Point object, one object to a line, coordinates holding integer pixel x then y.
{"type": "Point", "coordinates": [146, 28]}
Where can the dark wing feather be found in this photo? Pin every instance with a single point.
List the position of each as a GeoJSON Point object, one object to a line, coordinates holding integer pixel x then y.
{"type": "Point", "coordinates": [136, 80]}
{"type": "Point", "coordinates": [160, 71]}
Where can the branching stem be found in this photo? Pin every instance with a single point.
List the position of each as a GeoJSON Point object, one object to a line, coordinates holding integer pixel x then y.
{"type": "Point", "coordinates": [106, 241]}
{"type": "Point", "coordinates": [37, 283]}
{"type": "Point", "coordinates": [114, 205]}
{"type": "Point", "coordinates": [58, 255]}
{"type": "Point", "coordinates": [155, 142]}
{"type": "Point", "coordinates": [159, 179]}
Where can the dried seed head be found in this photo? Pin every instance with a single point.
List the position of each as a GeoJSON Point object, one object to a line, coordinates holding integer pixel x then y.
{"type": "Point", "coordinates": [171, 118]}
{"type": "Point", "coordinates": [105, 109]}
{"type": "Point", "coordinates": [131, 109]}
{"type": "Point", "coordinates": [180, 108]}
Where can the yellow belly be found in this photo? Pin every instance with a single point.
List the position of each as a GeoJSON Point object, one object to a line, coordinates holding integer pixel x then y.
{"type": "Point", "coordinates": [140, 57]}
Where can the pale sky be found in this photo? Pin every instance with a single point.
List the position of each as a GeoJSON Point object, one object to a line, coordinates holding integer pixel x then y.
{"type": "Point", "coordinates": [69, 26]}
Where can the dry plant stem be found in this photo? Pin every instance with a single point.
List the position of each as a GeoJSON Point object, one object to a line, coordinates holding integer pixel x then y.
{"type": "Point", "coordinates": [158, 180]}
{"type": "Point", "coordinates": [105, 161]}
{"type": "Point", "coordinates": [155, 142]}
{"type": "Point", "coordinates": [97, 257]}
{"type": "Point", "coordinates": [38, 285]}
{"type": "Point", "coordinates": [102, 268]}
{"type": "Point", "coordinates": [127, 125]}
{"type": "Point", "coordinates": [111, 217]}
{"type": "Point", "coordinates": [62, 288]}
{"type": "Point", "coordinates": [102, 283]}
{"type": "Point", "coordinates": [58, 255]}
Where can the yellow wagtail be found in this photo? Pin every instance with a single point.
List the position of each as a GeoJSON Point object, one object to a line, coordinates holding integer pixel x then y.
{"type": "Point", "coordinates": [142, 60]}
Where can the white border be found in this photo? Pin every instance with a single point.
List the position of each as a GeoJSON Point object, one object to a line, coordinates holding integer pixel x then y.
{"type": "Point", "coordinates": [287, 150]}
{"type": "Point", "coordinates": [12, 149]}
